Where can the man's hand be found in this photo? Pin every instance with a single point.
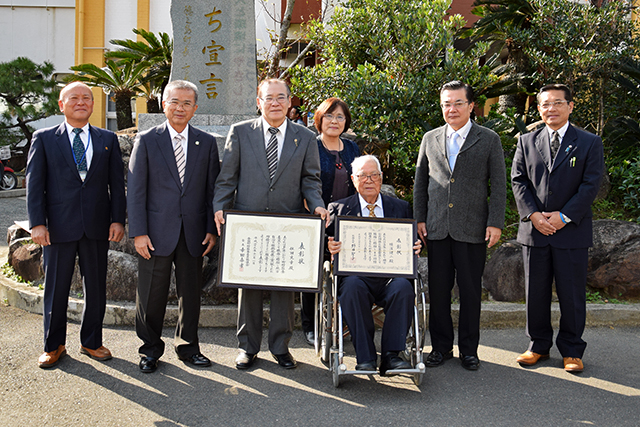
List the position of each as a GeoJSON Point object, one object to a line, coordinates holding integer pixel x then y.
{"type": "Point", "coordinates": [324, 214]}
{"type": "Point", "coordinates": [492, 235]}
{"type": "Point", "coordinates": [210, 241]}
{"type": "Point", "coordinates": [422, 232]}
{"type": "Point", "coordinates": [40, 235]}
{"type": "Point", "coordinates": [219, 218]}
{"type": "Point", "coordinates": [116, 232]}
{"type": "Point", "coordinates": [143, 245]}
{"type": "Point", "coordinates": [541, 224]}
{"type": "Point", "coordinates": [417, 247]}
{"type": "Point", "coordinates": [554, 219]}
{"type": "Point", "coordinates": [334, 246]}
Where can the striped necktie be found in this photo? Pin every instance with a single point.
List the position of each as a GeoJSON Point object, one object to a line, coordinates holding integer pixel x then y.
{"type": "Point", "coordinates": [272, 152]}
{"type": "Point", "coordinates": [181, 160]}
{"type": "Point", "coordinates": [372, 210]}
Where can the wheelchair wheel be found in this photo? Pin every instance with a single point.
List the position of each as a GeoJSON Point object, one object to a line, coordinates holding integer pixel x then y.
{"type": "Point", "coordinates": [335, 370]}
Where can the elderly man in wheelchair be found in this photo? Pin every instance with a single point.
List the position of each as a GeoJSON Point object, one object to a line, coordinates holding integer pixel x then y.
{"type": "Point", "coordinates": [357, 294]}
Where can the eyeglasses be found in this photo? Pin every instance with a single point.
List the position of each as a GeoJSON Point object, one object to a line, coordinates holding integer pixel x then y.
{"type": "Point", "coordinates": [556, 104]}
{"type": "Point", "coordinates": [456, 105]}
{"type": "Point", "coordinates": [280, 99]}
{"type": "Point", "coordinates": [338, 118]}
{"type": "Point", "coordinates": [187, 105]}
{"type": "Point", "coordinates": [375, 177]}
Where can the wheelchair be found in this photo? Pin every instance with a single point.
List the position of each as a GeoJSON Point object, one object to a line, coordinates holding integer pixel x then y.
{"type": "Point", "coordinates": [330, 330]}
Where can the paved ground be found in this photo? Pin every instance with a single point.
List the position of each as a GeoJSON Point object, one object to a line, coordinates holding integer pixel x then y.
{"type": "Point", "coordinates": [84, 392]}
{"type": "Point", "coordinates": [11, 209]}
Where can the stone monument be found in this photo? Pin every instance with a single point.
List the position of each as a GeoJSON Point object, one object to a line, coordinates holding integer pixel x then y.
{"type": "Point", "coordinates": [214, 47]}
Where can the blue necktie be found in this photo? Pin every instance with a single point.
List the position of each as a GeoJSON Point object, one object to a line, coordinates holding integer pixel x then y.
{"type": "Point", "coordinates": [454, 149]}
{"type": "Point", "coordinates": [79, 151]}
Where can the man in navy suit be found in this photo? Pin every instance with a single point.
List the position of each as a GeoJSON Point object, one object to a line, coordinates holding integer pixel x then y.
{"type": "Point", "coordinates": [76, 205]}
{"type": "Point", "coordinates": [172, 174]}
{"type": "Point", "coordinates": [357, 293]}
{"type": "Point", "coordinates": [555, 177]}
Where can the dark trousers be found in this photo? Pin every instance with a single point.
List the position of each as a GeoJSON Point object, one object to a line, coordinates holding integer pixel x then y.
{"type": "Point", "coordinates": [307, 311]}
{"type": "Point", "coordinates": [358, 294]}
{"type": "Point", "coordinates": [569, 267]}
{"type": "Point", "coordinates": [451, 261]}
{"type": "Point", "coordinates": [154, 277]}
{"type": "Point", "coordinates": [59, 263]}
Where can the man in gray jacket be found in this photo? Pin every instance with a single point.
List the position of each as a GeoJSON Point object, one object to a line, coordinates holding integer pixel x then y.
{"type": "Point", "coordinates": [460, 166]}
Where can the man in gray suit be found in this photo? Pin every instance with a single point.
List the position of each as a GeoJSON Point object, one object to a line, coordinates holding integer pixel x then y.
{"type": "Point", "coordinates": [172, 175]}
{"type": "Point", "coordinates": [270, 165]}
{"type": "Point", "coordinates": [459, 165]}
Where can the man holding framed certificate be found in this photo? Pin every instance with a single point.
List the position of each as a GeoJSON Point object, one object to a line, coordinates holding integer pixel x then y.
{"type": "Point", "coordinates": [357, 293]}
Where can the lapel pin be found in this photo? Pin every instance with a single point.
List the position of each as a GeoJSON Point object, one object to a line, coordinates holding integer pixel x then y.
{"type": "Point", "coordinates": [197, 142]}
{"type": "Point", "coordinates": [106, 148]}
{"type": "Point", "coordinates": [296, 141]}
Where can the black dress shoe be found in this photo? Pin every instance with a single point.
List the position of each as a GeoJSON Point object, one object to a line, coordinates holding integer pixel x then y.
{"type": "Point", "coordinates": [391, 360]}
{"type": "Point", "coordinates": [148, 364]}
{"type": "Point", "coordinates": [245, 360]}
{"type": "Point", "coordinates": [471, 363]}
{"type": "Point", "coordinates": [197, 359]}
{"type": "Point", "coordinates": [285, 360]}
{"type": "Point", "coordinates": [436, 358]}
{"type": "Point", "coordinates": [367, 366]}
{"type": "Point", "coordinates": [310, 338]}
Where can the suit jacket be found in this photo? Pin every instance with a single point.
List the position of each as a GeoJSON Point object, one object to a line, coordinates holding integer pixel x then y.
{"type": "Point", "coordinates": [569, 185]}
{"type": "Point", "coordinates": [245, 171]}
{"type": "Point", "coordinates": [158, 205]}
{"type": "Point", "coordinates": [455, 203]}
{"type": "Point", "coordinates": [350, 206]}
{"type": "Point", "coordinates": [56, 195]}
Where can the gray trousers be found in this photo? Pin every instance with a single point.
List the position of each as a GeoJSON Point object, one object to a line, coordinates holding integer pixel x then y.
{"type": "Point", "coordinates": [250, 321]}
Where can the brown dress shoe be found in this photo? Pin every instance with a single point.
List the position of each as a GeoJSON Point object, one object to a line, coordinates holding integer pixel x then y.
{"type": "Point", "coordinates": [51, 359]}
{"type": "Point", "coordinates": [573, 364]}
{"type": "Point", "coordinates": [530, 358]}
{"type": "Point", "coordinates": [101, 353]}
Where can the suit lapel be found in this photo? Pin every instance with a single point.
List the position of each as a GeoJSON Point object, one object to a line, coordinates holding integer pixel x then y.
{"type": "Point", "coordinates": [98, 150]}
{"type": "Point", "coordinates": [472, 138]}
{"type": "Point", "coordinates": [352, 207]}
{"type": "Point", "coordinates": [256, 142]}
{"type": "Point", "coordinates": [193, 155]}
{"type": "Point", "coordinates": [62, 141]}
{"type": "Point", "coordinates": [165, 147]}
{"type": "Point", "coordinates": [543, 147]}
{"type": "Point", "coordinates": [569, 143]}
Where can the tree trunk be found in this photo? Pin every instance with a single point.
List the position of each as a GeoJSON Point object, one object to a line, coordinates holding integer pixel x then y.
{"type": "Point", "coordinates": [272, 71]}
{"type": "Point", "coordinates": [123, 110]}
{"type": "Point", "coordinates": [153, 105]}
{"type": "Point", "coordinates": [27, 134]}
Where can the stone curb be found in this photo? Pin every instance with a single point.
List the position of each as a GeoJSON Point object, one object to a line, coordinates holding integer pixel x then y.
{"type": "Point", "coordinates": [19, 192]}
{"type": "Point", "coordinates": [493, 315]}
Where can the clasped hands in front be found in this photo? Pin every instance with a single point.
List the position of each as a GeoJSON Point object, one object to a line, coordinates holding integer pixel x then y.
{"type": "Point", "coordinates": [547, 223]}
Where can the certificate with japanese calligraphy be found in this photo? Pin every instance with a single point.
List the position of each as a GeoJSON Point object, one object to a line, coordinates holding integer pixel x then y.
{"type": "Point", "coordinates": [271, 251]}
{"type": "Point", "coordinates": [379, 247]}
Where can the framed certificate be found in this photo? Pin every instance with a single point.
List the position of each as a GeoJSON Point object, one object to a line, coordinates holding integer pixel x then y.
{"type": "Point", "coordinates": [271, 251]}
{"type": "Point", "coordinates": [381, 247]}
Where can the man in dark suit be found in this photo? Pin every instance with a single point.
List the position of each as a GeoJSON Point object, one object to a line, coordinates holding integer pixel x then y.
{"type": "Point", "coordinates": [357, 293]}
{"type": "Point", "coordinates": [555, 177]}
{"type": "Point", "coordinates": [460, 165]}
{"type": "Point", "coordinates": [172, 176]}
{"type": "Point", "coordinates": [76, 205]}
{"type": "Point", "coordinates": [270, 165]}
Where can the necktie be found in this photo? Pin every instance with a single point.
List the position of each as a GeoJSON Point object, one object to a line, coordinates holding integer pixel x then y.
{"type": "Point", "coordinates": [555, 144]}
{"type": "Point", "coordinates": [372, 212]}
{"type": "Point", "coordinates": [454, 148]}
{"type": "Point", "coordinates": [181, 160]}
{"type": "Point", "coordinates": [79, 151]}
{"type": "Point", "coordinates": [272, 152]}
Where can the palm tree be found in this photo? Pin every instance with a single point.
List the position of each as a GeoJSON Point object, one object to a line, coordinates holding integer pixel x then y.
{"type": "Point", "coordinates": [499, 19]}
{"type": "Point", "coordinates": [121, 79]}
{"type": "Point", "coordinates": [156, 53]}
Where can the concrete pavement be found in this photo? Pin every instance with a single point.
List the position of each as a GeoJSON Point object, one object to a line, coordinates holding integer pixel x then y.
{"type": "Point", "coordinates": [84, 392]}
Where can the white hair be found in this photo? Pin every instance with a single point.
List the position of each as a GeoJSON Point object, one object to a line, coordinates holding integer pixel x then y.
{"type": "Point", "coordinates": [359, 162]}
{"type": "Point", "coordinates": [180, 84]}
